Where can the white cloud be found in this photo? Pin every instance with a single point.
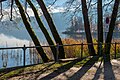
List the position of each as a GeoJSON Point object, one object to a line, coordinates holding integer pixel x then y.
{"type": "Point", "coordinates": [16, 13]}
{"type": "Point", "coordinates": [58, 9]}
{"type": "Point", "coordinates": [78, 0]}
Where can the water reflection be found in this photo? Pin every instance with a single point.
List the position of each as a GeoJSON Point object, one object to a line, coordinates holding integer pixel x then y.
{"type": "Point", "coordinates": [14, 57]}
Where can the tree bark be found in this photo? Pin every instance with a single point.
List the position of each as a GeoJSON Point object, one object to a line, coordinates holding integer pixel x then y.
{"type": "Point", "coordinates": [111, 27]}
{"type": "Point", "coordinates": [31, 32]}
{"type": "Point", "coordinates": [100, 26]}
{"type": "Point", "coordinates": [44, 30]}
{"type": "Point", "coordinates": [87, 28]}
{"type": "Point", "coordinates": [52, 28]}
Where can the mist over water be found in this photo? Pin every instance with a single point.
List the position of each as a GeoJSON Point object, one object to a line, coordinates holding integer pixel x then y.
{"type": "Point", "coordinates": [10, 41]}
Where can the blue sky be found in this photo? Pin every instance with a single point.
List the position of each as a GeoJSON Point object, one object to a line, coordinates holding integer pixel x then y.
{"type": "Point", "coordinates": [6, 4]}
{"type": "Point", "coordinates": [58, 2]}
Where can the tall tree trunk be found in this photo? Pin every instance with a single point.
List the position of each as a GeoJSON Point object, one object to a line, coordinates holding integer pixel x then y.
{"type": "Point", "coordinates": [46, 34]}
{"type": "Point", "coordinates": [100, 25]}
{"type": "Point", "coordinates": [87, 27]}
{"type": "Point", "coordinates": [31, 32]}
{"type": "Point", "coordinates": [52, 28]}
{"type": "Point", "coordinates": [111, 26]}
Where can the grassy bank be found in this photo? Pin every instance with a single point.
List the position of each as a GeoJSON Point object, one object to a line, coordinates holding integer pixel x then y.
{"type": "Point", "coordinates": [40, 68]}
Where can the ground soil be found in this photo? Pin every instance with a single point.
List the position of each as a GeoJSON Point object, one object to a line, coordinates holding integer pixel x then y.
{"type": "Point", "coordinates": [99, 71]}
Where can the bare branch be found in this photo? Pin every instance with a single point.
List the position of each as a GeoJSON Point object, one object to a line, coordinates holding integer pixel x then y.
{"type": "Point", "coordinates": [89, 4]}
{"type": "Point", "coordinates": [107, 4]}
{"type": "Point", "coordinates": [52, 4]}
{"type": "Point", "coordinates": [94, 4]}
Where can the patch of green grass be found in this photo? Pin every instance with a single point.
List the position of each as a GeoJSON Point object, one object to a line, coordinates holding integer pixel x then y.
{"type": "Point", "coordinates": [100, 59]}
{"type": "Point", "coordinates": [10, 74]}
{"type": "Point", "coordinates": [20, 71]}
{"type": "Point", "coordinates": [43, 67]}
{"type": "Point", "coordinates": [81, 63]}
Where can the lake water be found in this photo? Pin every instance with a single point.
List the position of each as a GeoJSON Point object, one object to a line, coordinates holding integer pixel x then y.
{"type": "Point", "coordinates": [14, 34]}
{"type": "Point", "coordinates": [12, 58]}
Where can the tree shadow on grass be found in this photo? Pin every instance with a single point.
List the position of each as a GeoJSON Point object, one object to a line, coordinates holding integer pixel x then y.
{"type": "Point", "coordinates": [78, 75]}
{"type": "Point", "coordinates": [37, 73]}
{"type": "Point", "coordinates": [7, 70]}
{"type": "Point", "coordinates": [108, 72]}
{"type": "Point", "coordinates": [61, 70]}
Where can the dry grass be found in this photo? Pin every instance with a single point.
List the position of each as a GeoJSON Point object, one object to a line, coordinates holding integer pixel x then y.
{"type": "Point", "coordinates": [76, 50]}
